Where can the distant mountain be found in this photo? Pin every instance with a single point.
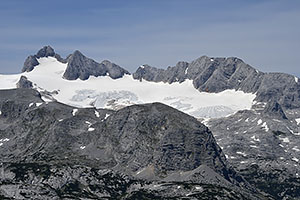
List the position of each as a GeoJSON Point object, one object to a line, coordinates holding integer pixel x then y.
{"type": "Point", "coordinates": [98, 119]}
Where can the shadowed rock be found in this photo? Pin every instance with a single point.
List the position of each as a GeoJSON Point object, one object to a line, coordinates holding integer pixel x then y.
{"type": "Point", "coordinates": [29, 64]}
{"type": "Point", "coordinates": [218, 74]}
{"type": "Point", "coordinates": [24, 83]}
{"type": "Point", "coordinates": [32, 61]}
{"type": "Point", "coordinates": [274, 110]}
{"type": "Point", "coordinates": [79, 66]}
{"type": "Point", "coordinates": [45, 52]}
{"type": "Point", "coordinates": [114, 71]}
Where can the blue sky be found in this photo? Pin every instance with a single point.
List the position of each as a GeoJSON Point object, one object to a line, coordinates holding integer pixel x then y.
{"type": "Point", "coordinates": [264, 33]}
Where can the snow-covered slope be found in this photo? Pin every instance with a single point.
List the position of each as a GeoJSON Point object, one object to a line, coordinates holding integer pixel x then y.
{"type": "Point", "coordinates": [105, 92]}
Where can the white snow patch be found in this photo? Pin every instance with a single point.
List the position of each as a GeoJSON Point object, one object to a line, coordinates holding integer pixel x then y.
{"type": "Point", "coordinates": [253, 146]}
{"type": "Point", "coordinates": [38, 104]}
{"type": "Point", "coordinates": [255, 139]}
{"type": "Point", "coordinates": [31, 104]}
{"type": "Point", "coordinates": [281, 158]}
{"type": "Point", "coordinates": [247, 120]}
{"type": "Point", "coordinates": [232, 157]}
{"type": "Point", "coordinates": [74, 111]}
{"type": "Point", "coordinates": [211, 59]}
{"type": "Point", "coordinates": [242, 162]}
{"type": "Point", "coordinates": [140, 171]}
{"type": "Point", "coordinates": [106, 116]}
{"type": "Point", "coordinates": [82, 147]}
{"type": "Point", "coordinates": [265, 126]}
{"type": "Point", "coordinates": [295, 148]}
{"type": "Point", "coordinates": [295, 159]}
{"type": "Point", "coordinates": [285, 140]}
{"type": "Point", "coordinates": [290, 130]}
{"type": "Point", "coordinates": [91, 129]}
{"type": "Point", "coordinates": [97, 113]}
{"type": "Point", "coordinates": [298, 121]}
{"type": "Point", "coordinates": [241, 153]}
{"type": "Point", "coordinates": [3, 140]}
{"type": "Point", "coordinates": [88, 123]}
{"type": "Point", "coordinates": [296, 79]}
{"type": "Point", "coordinates": [87, 93]}
{"type": "Point", "coordinates": [198, 188]}
{"type": "Point", "coordinates": [205, 121]}
{"type": "Point", "coordinates": [259, 122]}
{"type": "Point", "coordinates": [281, 145]}
{"type": "Point", "coordinates": [256, 71]}
{"type": "Point", "coordinates": [0, 112]}
{"type": "Point", "coordinates": [46, 99]}
{"type": "Point", "coordinates": [60, 120]}
{"type": "Point", "coordinates": [185, 72]}
{"type": "Point", "coordinates": [226, 156]}
{"type": "Point", "coordinates": [142, 66]}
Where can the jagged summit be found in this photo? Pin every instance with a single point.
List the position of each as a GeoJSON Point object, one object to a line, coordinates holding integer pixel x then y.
{"type": "Point", "coordinates": [79, 66]}
{"type": "Point", "coordinates": [208, 74]}
{"type": "Point", "coordinates": [46, 51]}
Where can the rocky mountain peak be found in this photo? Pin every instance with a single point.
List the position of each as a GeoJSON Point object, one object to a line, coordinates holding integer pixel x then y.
{"type": "Point", "coordinates": [31, 61]}
{"type": "Point", "coordinates": [45, 52]}
{"type": "Point", "coordinates": [114, 71]}
{"type": "Point", "coordinates": [82, 67]}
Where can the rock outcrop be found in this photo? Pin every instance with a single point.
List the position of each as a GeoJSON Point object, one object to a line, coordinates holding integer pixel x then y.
{"type": "Point", "coordinates": [147, 143]}
{"type": "Point", "coordinates": [219, 74]}
{"type": "Point", "coordinates": [79, 66]}
{"type": "Point", "coordinates": [24, 83]}
{"type": "Point", "coordinates": [31, 61]}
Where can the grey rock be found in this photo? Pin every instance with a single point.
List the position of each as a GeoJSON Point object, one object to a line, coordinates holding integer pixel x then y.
{"type": "Point", "coordinates": [170, 75]}
{"type": "Point", "coordinates": [45, 52]}
{"type": "Point", "coordinates": [82, 67]}
{"type": "Point", "coordinates": [219, 74]}
{"type": "Point", "coordinates": [274, 110]}
{"type": "Point", "coordinates": [262, 145]}
{"type": "Point", "coordinates": [79, 66]}
{"type": "Point", "coordinates": [24, 83]}
{"type": "Point", "coordinates": [113, 70]}
{"type": "Point", "coordinates": [29, 64]}
{"type": "Point", "coordinates": [60, 59]}
{"type": "Point", "coordinates": [55, 149]}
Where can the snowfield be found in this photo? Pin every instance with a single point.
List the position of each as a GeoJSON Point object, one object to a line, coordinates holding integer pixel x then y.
{"type": "Point", "coordinates": [105, 92]}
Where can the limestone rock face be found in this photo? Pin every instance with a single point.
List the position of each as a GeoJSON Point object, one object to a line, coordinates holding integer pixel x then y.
{"type": "Point", "coordinates": [52, 144]}
{"type": "Point", "coordinates": [24, 83]}
{"type": "Point", "coordinates": [29, 64]}
{"type": "Point", "coordinates": [31, 61]}
{"type": "Point", "coordinates": [45, 52]}
{"type": "Point", "coordinates": [219, 74]}
{"type": "Point", "coordinates": [79, 66]}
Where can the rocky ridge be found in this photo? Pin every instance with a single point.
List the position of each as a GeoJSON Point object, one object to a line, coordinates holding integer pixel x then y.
{"type": "Point", "coordinates": [261, 144]}
{"type": "Point", "coordinates": [51, 150]}
{"type": "Point", "coordinates": [219, 74]}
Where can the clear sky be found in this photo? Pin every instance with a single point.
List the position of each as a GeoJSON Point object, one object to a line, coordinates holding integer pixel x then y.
{"type": "Point", "coordinates": [264, 33]}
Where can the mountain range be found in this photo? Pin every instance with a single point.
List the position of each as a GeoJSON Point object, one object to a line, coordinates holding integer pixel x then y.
{"type": "Point", "coordinates": [214, 128]}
